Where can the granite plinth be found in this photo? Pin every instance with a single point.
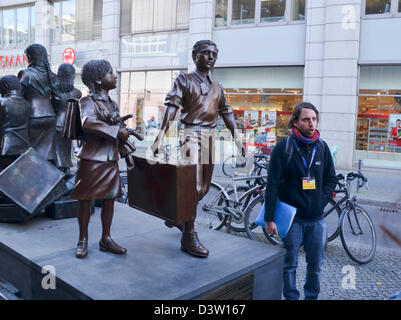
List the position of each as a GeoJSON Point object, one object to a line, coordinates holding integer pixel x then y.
{"type": "Point", "coordinates": [154, 267]}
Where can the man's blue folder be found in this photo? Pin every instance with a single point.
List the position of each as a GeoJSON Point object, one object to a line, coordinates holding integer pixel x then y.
{"type": "Point", "coordinates": [283, 217]}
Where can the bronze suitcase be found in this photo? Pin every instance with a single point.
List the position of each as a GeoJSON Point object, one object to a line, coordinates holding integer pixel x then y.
{"type": "Point", "coordinates": [164, 190]}
{"type": "Point", "coordinates": [32, 182]}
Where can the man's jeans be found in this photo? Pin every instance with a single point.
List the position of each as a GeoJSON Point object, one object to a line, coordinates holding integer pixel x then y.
{"type": "Point", "coordinates": [313, 237]}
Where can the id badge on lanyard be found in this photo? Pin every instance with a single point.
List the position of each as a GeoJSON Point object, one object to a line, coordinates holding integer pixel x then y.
{"type": "Point", "coordinates": [308, 182]}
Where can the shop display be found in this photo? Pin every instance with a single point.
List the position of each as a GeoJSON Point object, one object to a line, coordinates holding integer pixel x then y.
{"type": "Point", "coordinates": [362, 134]}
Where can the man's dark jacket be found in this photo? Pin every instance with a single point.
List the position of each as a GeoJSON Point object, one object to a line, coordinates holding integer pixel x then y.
{"type": "Point", "coordinates": [285, 181]}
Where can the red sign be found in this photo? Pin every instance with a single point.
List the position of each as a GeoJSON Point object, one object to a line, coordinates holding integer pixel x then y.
{"type": "Point", "coordinates": [13, 61]}
{"type": "Point", "coordinates": [69, 56]}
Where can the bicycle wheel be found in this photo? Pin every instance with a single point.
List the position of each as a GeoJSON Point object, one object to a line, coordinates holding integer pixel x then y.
{"type": "Point", "coordinates": [208, 209]}
{"type": "Point", "coordinates": [332, 218]}
{"type": "Point", "coordinates": [229, 166]}
{"type": "Point", "coordinates": [123, 198]}
{"type": "Point", "coordinates": [358, 235]}
{"type": "Point", "coordinates": [254, 231]}
{"type": "Point", "coordinates": [236, 225]}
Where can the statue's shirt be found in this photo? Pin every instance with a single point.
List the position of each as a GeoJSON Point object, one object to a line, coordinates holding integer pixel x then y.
{"type": "Point", "coordinates": [199, 98]}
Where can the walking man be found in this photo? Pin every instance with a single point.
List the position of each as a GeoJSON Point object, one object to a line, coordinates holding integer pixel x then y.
{"type": "Point", "coordinates": [302, 174]}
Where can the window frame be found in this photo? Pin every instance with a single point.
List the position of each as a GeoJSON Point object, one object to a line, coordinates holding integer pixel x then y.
{"type": "Point", "coordinates": [257, 22]}
{"type": "Point", "coordinates": [393, 11]}
{"type": "Point", "coordinates": [14, 9]}
{"type": "Point", "coordinates": [153, 31]}
{"type": "Point", "coordinates": [58, 38]}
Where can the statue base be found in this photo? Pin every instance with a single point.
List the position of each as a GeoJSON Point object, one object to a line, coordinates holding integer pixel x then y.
{"type": "Point", "coordinates": [10, 212]}
{"type": "Point", "coordinates": [154, 267]}
{"type": "Point", "coordinates": [65, 208]}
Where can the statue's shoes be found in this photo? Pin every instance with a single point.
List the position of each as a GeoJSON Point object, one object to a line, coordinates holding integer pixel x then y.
{"type": "Point", "coordinates": [190, 243]}
{"type": "Point", "coordinates": [108, 244]}
{"type": "Point", "coordinates": [82, 249]}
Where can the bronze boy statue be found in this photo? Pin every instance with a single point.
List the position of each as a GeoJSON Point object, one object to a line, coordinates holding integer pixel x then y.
{"type": "Point", "coordinates": [14, 121]}
{"type": "Point", "coordinates": [200, 100]}
{"type": "Point", "coordinates": [64, 91]}
{"type": "Point", "coordinates": [98, 172]}
{"type": "Point", "coordinates": [38, 83]}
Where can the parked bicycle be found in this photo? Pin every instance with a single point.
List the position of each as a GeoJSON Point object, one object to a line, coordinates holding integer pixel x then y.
{"type": "Point", "coordinates": [124, 187]}
{"type": "Point", "coordinates": [225, 206]}
{"type": "Point", "coordinates": [354, 225]}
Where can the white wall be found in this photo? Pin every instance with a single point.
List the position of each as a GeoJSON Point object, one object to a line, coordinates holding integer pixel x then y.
{"type": "Point", "coordinates": [271, 45]}
{"type": "Point", "coordinates": [380, 41]}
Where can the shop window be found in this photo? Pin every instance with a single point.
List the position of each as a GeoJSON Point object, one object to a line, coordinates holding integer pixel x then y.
{"type": "Point", "coordinates": [221, 13]}
{"type": "Point", "coordinates": [262, 99]}
{"type": "Point", "coordinates": [8, 28]}
{"type": "Point", "coordinates": [32, 25]}
{"type": "Point", "coordinates": [272, 10]}
{"type": "Point", "coordinates": [17, 26]}
{"type": "Point", "coordinates": [378, 134]}
{"type": "Point", "coordinates": [141, 16]}
{"type": "Point", "coordinates": [77, 20]}
{"type": "Point", "coordinates": [378, 6]}
{"type": "Point", "coordinates": [257, 11]}
{"type": "Point", "coordinates": [68, 20]}
{"type": "Point", "coordinates": [143, 95]}
{"type": "Point", "coordinates": [22, 26]}
{"type": "Point", "coordinates": [297, 10]}
{"type": "Point", "coordinates": [243, 11]}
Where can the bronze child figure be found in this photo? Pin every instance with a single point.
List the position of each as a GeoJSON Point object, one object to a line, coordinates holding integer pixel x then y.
{"type": "Point", "coordinates": [14, 121]}
{"type": "Point", "coordinates": [200, 100]}
{"type": "Point", "coordinates": [38, 83]}
{"type": "Point", "coordinates": [98, 172]}
{"type": "Point", "coordinates": [64, 91]}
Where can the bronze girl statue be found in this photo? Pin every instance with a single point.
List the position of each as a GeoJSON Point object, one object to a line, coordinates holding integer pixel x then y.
{"type": "Point", "coordinates": [64, 91]}
{"type": "Point", "coordinates": [38, 83]}
{"type": "Point", "coordinates": [103, 142]}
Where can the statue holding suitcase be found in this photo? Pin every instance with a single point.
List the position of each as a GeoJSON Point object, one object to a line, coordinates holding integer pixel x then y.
{"type": "Point", "coordinates": [201, 100]}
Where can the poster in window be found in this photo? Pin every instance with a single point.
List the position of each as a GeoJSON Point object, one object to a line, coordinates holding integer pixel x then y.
{"type": "Point", "coordinates": [394, 132]}
{"type": "Point", "coordinates": [268, 119]}
{"type": "Point", "coordinates": [251, 119]}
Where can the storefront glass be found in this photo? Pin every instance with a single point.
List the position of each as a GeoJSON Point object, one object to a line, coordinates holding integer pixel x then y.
{"type": "Point", "coordinates": [263, 99]}
{"type": "Point", "coordinates": [32, 26]}
{"type": "Point", "coordinates": [272, 10]}
{"type": "Point", "coordinates": [378, 136]}
{"type": "Point", "coordinates": [243, 12]}
{"type": "Point", "coordinates": [77, 20]}
{"type": "Point", "coordinates": [221, 13]}
{"type": "Point", "coordinates": [17, 27]}
{"type": "Point", "coordinates": [8, 28]}
{"type": "Point", "coordinates": [142, 94]}
{"type": "Point", "coordinates": [298, 10]}
{"type": "Point", "coordinates": [68, 21]}
{"type": "Point", "coordinates": [378, 6]}
{"type": "Point", "coordinates": [140, 16]}
{"type": "Point", "coordinates": [22, 26]}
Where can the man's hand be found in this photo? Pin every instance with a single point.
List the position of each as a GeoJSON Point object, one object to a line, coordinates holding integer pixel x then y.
{"type": "Point", "coordinates": [123, 134]}
{"type": "Point", "coordinates": [271, 228]}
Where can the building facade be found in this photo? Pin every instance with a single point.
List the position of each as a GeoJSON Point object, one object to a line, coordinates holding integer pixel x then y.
{"type": "Point", "coordinates": [338, 54]}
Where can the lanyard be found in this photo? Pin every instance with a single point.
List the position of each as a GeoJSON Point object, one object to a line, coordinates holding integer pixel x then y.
{"type": "Point", "coordinates": [303, 159]}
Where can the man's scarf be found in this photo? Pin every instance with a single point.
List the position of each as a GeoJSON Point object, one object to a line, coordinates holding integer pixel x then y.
{"type": "Point", "coordinates": [297, 135]}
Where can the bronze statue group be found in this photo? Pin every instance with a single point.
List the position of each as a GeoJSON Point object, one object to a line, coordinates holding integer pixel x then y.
{"type": "Point", "coordinates": [33, 114]}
